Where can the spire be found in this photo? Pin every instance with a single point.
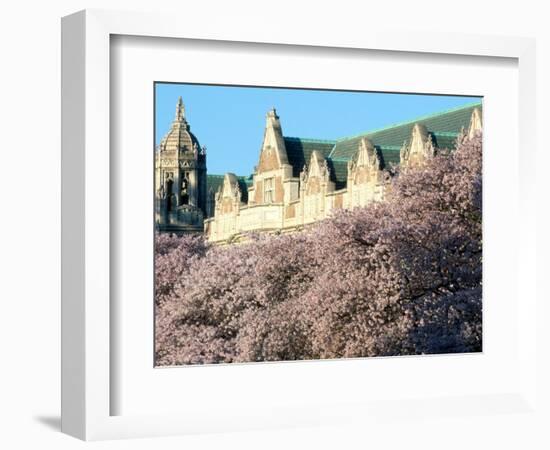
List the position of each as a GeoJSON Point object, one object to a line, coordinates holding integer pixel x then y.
{"type": "Point", "coordinates": [273, 123]}
{"type": "Point", "coordinates": [179, 136]}
{"type": "Point", "coordinates": [180, 111]}
{"type": "Point", "coordinates": [272, 119]}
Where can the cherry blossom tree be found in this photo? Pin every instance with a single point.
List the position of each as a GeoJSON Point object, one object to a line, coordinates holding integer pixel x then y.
{"type": "Point", "coordinates": [399, 277]}
{"type": "Point", "coordinates": [173, 257]}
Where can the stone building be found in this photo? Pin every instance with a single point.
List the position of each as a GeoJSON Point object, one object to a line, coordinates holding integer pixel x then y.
{"type": "Point", "coordinates": [297, 181]}
{"type": "Point", "coordinates": [300, 181]}
{"type": "Point", "coordinates": [180, 178]}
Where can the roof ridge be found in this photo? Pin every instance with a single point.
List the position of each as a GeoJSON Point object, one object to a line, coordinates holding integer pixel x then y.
{"type": "Point", "coordinates": [320, 141]}
{"type": "Point", "coordinates": [407, 122]}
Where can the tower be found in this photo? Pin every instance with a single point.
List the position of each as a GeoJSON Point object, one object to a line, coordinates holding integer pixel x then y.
{"type": "Point", "coordinates": [180, 178]}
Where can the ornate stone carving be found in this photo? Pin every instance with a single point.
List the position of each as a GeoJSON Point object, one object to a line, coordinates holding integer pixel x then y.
{"type": "Point", "coordinates": [316, 176]}
{"type": "Point", "coordinates": [325, 172]}
{"type": "Point", "coordinates": [178, 153]}
{"type": "Point", "coordinates": [365, 165]}
{"type": "Point", "coordinates": [303, 176]}
{"type": "Point", "coordinates": [169, 163]}
{"type": "Point", "coordinates": [419, 148]}
{"type": "Point", "coordinates": [475, 123]}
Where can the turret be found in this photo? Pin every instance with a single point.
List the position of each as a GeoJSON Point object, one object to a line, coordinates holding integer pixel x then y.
{"type": "Point", "coordinates": [180, 174]}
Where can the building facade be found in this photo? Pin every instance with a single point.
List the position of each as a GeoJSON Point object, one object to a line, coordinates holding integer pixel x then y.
{"type": "Point", "coordinates": [300, 181]}
{"type": "Point", "coordinates": [296, 181]}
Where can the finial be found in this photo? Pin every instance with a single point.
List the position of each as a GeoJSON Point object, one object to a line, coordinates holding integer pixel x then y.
{"type": "Point", "coordinates": [180, 110]}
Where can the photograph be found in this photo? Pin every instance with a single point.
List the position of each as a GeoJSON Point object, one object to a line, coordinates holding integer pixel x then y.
{"type": "Point", "coordinates": [297, 224]}
{"type": "Point", "coordinates": [262, 226]}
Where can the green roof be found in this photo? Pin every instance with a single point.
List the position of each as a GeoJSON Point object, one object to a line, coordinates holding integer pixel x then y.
{"type": "Point", "coordinates": [299, 151]}
{"type": "Point", "coordinates": [338, 172]}
{"type": "Point", "coordinates": [389, 155]}
{"type": "Point", "coordinates": [244, 183]}
{"type": "Point", "coordinates": [444, 140]}
{"type": "Point", "coordinates": [444, 127]}
{"type": "Point", "coordinates": [213, 182]}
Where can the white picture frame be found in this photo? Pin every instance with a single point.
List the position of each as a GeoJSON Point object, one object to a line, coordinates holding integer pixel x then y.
{"type": "Point", "coordinates": [87, 326]}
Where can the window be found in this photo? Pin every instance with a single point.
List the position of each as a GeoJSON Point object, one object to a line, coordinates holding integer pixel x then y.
{"type": "Point", "coordinates": [268, 190]}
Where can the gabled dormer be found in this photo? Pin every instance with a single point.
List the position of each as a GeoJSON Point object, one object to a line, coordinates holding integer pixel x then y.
{"type": "Point", "coordinates": [273, 152]}
{"type": "Point", "coordinates": [365, 166]}
{"type": "Point", "coordinates": [315, 177]}
{"type": "Point", "coordinates": [419, 148]}
{"type": "Point", "coordinates": [229, 195]}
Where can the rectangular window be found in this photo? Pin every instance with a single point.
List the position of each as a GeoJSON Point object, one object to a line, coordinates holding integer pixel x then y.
{"type": "Point", "coordinates": [268, 190]}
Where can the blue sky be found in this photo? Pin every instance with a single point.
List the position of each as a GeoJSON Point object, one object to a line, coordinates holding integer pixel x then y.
{"type": "Point", "coordinates": [230, 121]}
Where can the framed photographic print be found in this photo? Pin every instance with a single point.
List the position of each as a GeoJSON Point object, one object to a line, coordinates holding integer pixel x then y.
{"type": "Point", "coordinates": [262, 232]}
{"type": "Point", "coordinates": [315, 248]}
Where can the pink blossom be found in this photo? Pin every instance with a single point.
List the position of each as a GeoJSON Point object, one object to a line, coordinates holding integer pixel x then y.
{"type": "Point", "coordinates": [401, 277]}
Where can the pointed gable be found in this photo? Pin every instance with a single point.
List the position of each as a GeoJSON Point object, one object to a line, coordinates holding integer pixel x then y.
{"type": "Point", "coordinates": [365, 165]}
{"type": "Point", "coordinates": [419, 148]}
{"type": "Point", "coordinates": [475, 123]}
{"type": "Point", "coordinates": [316, 175]}
{"type": "Point", "coordinates": [273, 153]}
